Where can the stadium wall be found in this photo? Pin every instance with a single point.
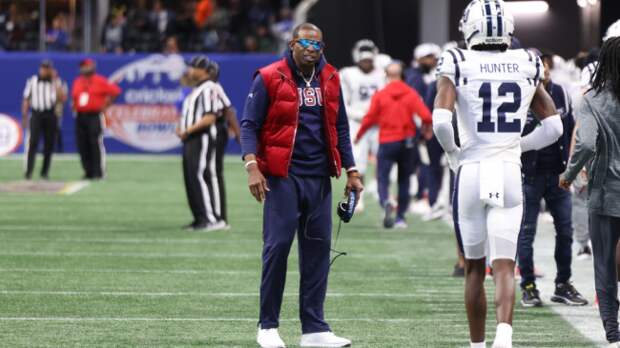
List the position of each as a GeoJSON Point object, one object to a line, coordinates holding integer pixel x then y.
{"type": "Point", "coordinates": [144, 116]}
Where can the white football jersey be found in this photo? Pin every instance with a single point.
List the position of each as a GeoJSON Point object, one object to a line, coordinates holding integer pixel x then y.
{"type": "Point", "coordinates": [358, 88]}
{"type": "Point", "coordinates": [494, 93]}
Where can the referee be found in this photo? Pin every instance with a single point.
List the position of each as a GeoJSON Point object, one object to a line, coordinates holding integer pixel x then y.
{"type": "Point", "coordinates": [227, 125]}
{"type": "Point", "coordinates": [199, 134]}
{"type": "Point", "coordinates": [41, 95]}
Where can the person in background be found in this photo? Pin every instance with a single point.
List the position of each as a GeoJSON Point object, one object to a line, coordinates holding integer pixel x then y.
{"type": "Point", "coordinates": [227, 125]}
{"type": "Point", "coordinates": [359, 83]}
{"type": "Point", "coordinates": [393, 109]}
{"type": "Point", "coordinates": [58, 37]}
{"type": "Point", "coordinates": [198, 132]}
{"type": "Point", "coordinates": [91, 94]}
{"type": "Point", "coordinates": [597, 146]}
{"type": "Point", "coordinates": [419, 76]}
{"type": "Point", "coordinates": [41, 95]}
{"type": "Point", "coordinates": [113, 32]}
{"type": "Point", "coordinates": [541, 170]}
{"type": "Point", "coordinates": [59, 109]}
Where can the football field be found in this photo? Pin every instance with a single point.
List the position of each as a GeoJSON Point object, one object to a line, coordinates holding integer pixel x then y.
{"type": "Point", "coordinates": [109, 266]}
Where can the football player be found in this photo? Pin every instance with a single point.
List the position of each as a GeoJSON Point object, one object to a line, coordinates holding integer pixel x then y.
{"type": "Point", "coordinates": [492, 88]}
{"type": "Point", "coordinates": [359, 83]}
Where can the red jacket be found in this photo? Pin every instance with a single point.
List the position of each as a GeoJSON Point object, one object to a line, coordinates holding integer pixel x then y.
{"type": "Point", "coordinates": [277, 136]}
{"type": "Point", "coordinates": [392, 109]}
{"type": "Point", "coordinates": [89, 93]}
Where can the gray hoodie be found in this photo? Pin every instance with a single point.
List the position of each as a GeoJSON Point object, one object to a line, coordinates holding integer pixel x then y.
{"type": "Point", "coordinates": [598, 147]}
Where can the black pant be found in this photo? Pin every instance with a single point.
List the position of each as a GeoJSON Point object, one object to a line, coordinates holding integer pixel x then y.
{"type": "Point", "coordinates": [89, 137]}
{"type": "Point", "coordinates": [199, 172]}
{"type": "Point", "coordinates": [604, 233]}
{"type": "Point", "coordinates": [545, 185]}
{"type": "Point", "coordinates": [41, 123]}
{"type": "Point", "coordinates": [220, 150]}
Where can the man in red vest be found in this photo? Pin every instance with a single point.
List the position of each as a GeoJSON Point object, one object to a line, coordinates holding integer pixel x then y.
{"type": "Point", "coordinates": [294, 136]}
{"type": "Point", "coordinates": [92, 94]}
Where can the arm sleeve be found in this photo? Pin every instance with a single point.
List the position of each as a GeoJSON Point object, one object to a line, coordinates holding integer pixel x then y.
{"type": "Point", "coordinates": [28, 89]}
{"type": "Point", "coordinates": [344, 137]}
{"type": "Point", "coordinates": [585, 142]}
{"type": "Point", "coordinates": [447, 66]}
{"type": "Point", "coordinates": [421, 110]}
{"type": "Point", "coordinates": [371, 117]}
{"type": "Point", "coordinates": [550, 129]}
{"type": "Point", "coordinates": [442, 127]}
{"type": "Point", "coordinates": [113, 89]}
{"type": "Point", "coordinates": [223, 97]}
{"type": "Point", "coordinates": [431, 93]}
{"type": "Point", "coordinates": [254, 113]}
{"type": "Point", "coordinates": [207, 100]}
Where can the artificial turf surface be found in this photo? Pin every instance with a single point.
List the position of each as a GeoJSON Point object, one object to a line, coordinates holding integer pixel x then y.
{"type": "Point", "coordinates": [109, 266]}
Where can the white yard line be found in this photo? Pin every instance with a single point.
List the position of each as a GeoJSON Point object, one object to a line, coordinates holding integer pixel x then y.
{"type": "Point", "coordinates": [586, 319]}
{"type": "Point", "coordinates": [173, 319]}
{"type": "Point", "coordinates": [210, 294]}
{"type": "Point", "coordinates": [204, 255]}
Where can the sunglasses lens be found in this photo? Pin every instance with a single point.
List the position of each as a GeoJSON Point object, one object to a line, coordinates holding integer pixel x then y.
{"type": "Point", "coordinates": [305, 43]}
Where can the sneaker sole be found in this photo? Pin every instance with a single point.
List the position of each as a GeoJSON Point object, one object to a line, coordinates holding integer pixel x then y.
{"type": "Point", "coordinates": [530, 305]}
{"type": "Point", "coordinates": [564, 300]}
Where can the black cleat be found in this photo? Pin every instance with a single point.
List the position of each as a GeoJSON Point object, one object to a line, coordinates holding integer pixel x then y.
{"type": "Point", "coordinates": [459, 272]}
{"type": "Point", "coordinates": [531, 297]}
{"type": "Point", "coordinates": [388, 219]}
{"type": "Point", "coordinates": [189, 226]}
{"type": "Point", "coordinates": [567, 294]}
{"type": "Point", "coordinates": [584, 253]}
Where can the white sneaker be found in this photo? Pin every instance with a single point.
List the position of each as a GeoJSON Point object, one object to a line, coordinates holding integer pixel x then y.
{"type": "Point", "coordinates": [503, 336]}
{"type": "Point", "coordinates": [614, 345]}
{"type": "Point", "coordinates": [269, 338]}
{"type": "Point", "coordinates": [209, 227]}
{"type": "Point", "coordinates": [400, 224]}
{"type": "Point", "coordinates": [323, 339]}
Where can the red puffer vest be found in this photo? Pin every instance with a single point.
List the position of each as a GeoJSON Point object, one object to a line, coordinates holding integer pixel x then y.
{"type": "Point", "coordinates": [277, 136]}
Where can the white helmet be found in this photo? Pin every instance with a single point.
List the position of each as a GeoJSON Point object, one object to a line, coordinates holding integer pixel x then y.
{"type": "Point", "coordinates": [612, 31]}
{"type": "Point", "coordinates": [487, 22]}
{"type": "Point", "coordinates": [364, 49]}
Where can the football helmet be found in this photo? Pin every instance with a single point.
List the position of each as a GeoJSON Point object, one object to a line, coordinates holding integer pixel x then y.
{"type": "Point", "coordinates": [487, 22]}
{"type": "Point", "coordinates": [364, 49]}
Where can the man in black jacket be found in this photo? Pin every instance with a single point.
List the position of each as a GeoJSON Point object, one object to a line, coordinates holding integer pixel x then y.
{"type": "Point", "coordinates": [541, 170]}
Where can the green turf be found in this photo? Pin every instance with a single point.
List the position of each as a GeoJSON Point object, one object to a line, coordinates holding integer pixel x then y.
{"type": "Point", "coordinates": [109, 267]}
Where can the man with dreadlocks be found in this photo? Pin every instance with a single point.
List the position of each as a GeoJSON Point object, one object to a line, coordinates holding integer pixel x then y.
{"type": "Point", "coordinates": [597, 146]}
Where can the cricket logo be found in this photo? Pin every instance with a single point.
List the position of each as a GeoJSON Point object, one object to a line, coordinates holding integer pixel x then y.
{"type": "Point", "coordinates": [145, 115]}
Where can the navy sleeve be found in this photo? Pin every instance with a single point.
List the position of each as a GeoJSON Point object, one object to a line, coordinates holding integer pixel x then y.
{"type": "Point", "coordinates": [344, 136]}
{"type": "Point", "coordinates": [254, 114]}
{"type": "Point", "coordinates": [431, 93]}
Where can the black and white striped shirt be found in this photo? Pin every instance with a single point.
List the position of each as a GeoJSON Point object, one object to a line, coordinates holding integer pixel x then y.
{"type": "Point", "coordinates": [207, 98]}
{"type": "Point", "coordinates": [41, 94]}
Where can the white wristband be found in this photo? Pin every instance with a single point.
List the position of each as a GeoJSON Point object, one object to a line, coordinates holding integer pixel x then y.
{"type": "Point", "coordinates": [248, 163]}
{"type": "Point", "coordinates": [352, 169]}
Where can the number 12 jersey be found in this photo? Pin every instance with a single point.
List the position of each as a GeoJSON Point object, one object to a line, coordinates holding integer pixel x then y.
{"type": "Point", "coordinates": [494, 93]}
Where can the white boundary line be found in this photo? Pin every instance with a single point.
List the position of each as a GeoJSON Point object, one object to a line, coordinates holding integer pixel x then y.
{"type": "Point", "coordinates": [253, 320]}
{"type": "Point", "coordinates": [584, 319]}
{"type": "Point", "coordinates": [210, 294]}
{"type": "Point", "coordinates": [205, 255]}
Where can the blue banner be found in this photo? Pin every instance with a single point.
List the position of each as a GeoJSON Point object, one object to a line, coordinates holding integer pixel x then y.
{"type": "Point", "coordinates": [143, 118]}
